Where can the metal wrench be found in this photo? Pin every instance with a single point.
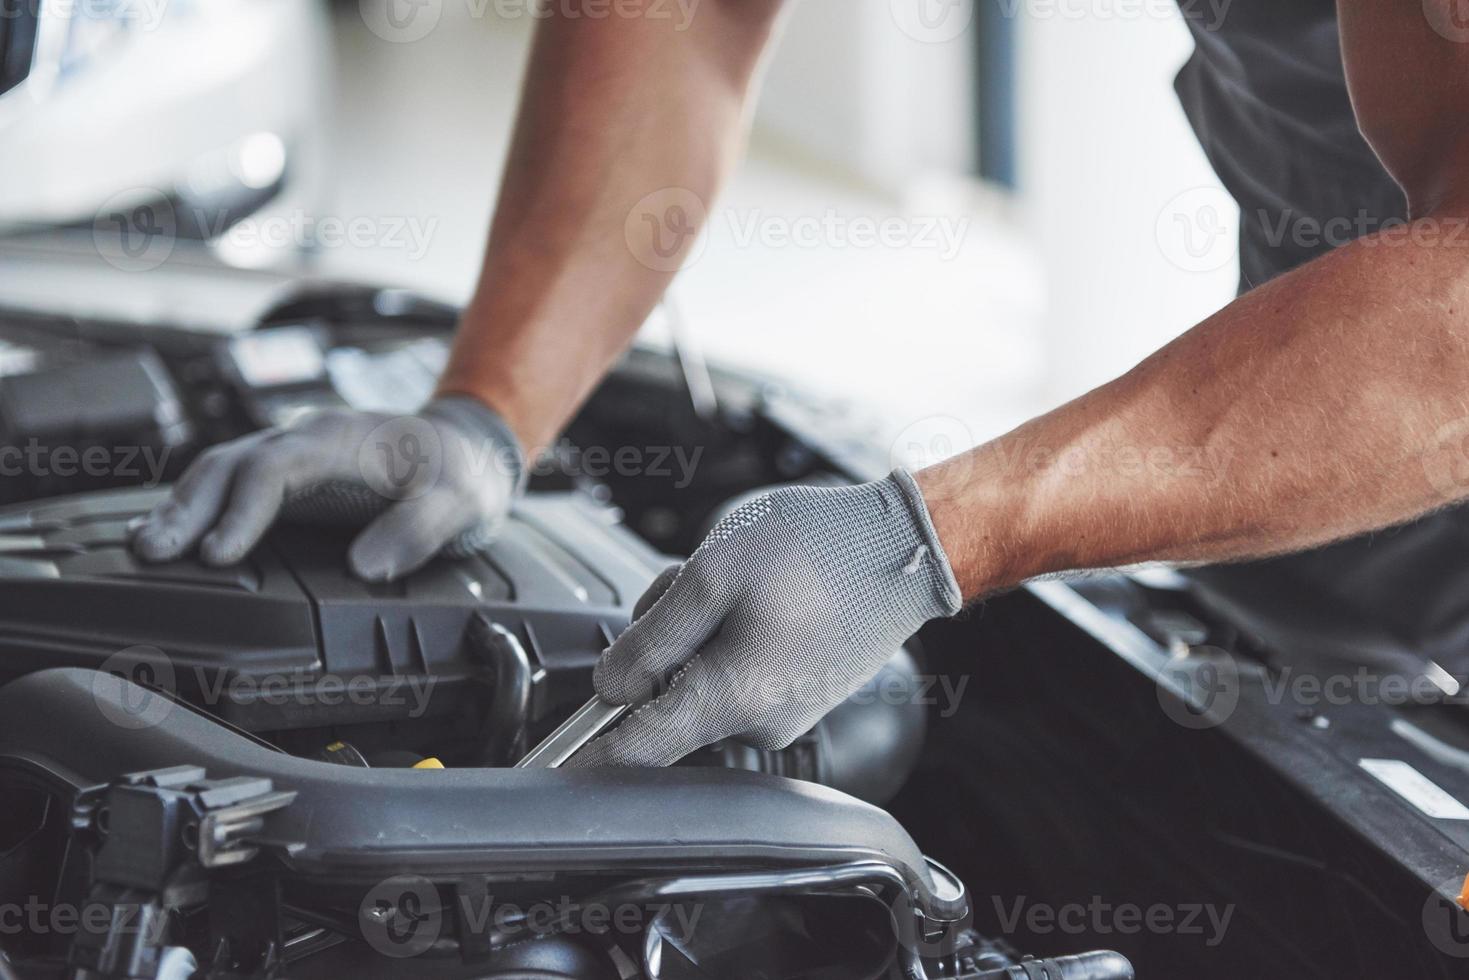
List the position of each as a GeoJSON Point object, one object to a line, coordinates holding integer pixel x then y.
{"type": "Point", "coordinates": [585, 724]}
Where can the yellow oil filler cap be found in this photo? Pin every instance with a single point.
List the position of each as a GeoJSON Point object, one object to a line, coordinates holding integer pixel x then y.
{"type": "Point", "coordinates": [429, 763]}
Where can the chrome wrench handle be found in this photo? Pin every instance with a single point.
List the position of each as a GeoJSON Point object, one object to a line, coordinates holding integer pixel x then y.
{"type": "Point", "coordinates": [585, 724]}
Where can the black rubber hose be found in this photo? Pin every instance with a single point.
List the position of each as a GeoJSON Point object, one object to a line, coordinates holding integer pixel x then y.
{"type": "Point", "coordinates": [514, 677]}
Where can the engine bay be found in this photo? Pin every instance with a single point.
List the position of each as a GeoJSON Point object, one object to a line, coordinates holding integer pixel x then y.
{"type": "Point", "coordinates": [273, 769]}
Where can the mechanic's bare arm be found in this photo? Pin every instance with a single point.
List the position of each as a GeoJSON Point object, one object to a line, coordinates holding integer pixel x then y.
{"type": "Point", "coordinates": [1321, 405]}
{"type": "Point", "coordinates": [615, 108]}
{"type": "Point", "coordinates": [1317, 406]}
{"type": "Point", "coordinates": [619, 103]}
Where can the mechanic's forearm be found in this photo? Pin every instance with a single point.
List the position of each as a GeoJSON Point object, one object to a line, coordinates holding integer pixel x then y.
{"type": "Point", "coordinates": [614, 108]}
{"type": "Point", "coordinates": [1308, 410]}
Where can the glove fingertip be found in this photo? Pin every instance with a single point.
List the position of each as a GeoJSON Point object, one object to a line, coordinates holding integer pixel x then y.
{"type": "Point", "coordinates": [623, 674]}
{"type": "Point", "coordinates": [609, 679]}
{"type": "Point", "coordinates": [655, 591]}
{"type": "Point", "coordinates": [156, 531]}
{"type": "Point", "coordinates": [370, 565]}
{"type": "Point", "coordinates": [220, 549]}
{"type": "Point", "coordinates": [375, 556]}
{"type": "Point", "coordinates": [156, 544]}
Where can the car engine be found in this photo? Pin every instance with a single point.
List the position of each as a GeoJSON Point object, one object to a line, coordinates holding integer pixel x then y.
{"type": "Point", "coordinates": [276, 770]}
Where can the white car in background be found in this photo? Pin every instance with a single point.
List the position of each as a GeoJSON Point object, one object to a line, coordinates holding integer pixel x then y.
{"type": "Point", "coordinates": [157, 116]}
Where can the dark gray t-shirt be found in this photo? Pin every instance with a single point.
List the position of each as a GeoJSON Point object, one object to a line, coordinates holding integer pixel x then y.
{"type": "Point", "coordinates": [1267, 95]}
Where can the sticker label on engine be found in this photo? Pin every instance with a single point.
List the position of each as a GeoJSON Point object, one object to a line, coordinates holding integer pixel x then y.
{"type": "Point", "coordinates": [1426, 795]}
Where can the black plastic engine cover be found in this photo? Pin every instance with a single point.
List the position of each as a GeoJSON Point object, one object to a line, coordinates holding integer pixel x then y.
{"type": "Point", "coordinates": [288, 638]}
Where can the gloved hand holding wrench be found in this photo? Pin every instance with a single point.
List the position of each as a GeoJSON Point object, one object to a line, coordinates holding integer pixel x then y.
{"type": "Point", "coordinates": [791, 603]}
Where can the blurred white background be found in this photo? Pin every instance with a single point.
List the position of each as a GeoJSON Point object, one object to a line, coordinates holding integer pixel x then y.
{"type": "Point", "coordinates": [1052, 289]}
{"type": "Point", "coordinates": [988, 303]}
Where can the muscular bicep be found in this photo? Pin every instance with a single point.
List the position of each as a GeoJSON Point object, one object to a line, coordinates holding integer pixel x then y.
{"type": "Point", "coordinates": [1407, 67]}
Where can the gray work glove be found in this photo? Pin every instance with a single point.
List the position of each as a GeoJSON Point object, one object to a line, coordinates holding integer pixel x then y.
{"type": "Point", "coordinates": [441, 480]}
{"type": "Point", "coordinates": [790, 604]}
